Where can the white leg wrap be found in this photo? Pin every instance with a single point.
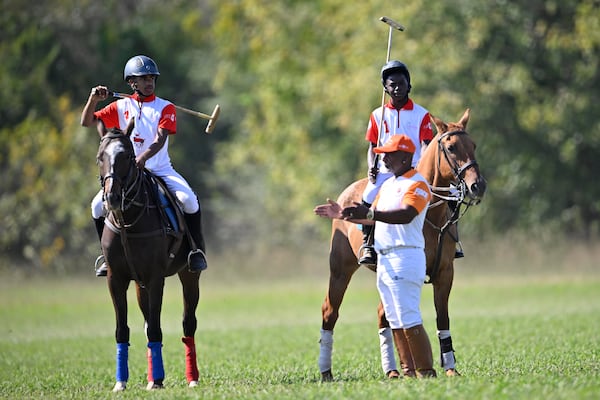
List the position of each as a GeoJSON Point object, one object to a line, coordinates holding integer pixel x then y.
{"type": "Point", "coordinates": [326, 348]}
{"type": "Point", "coordinates": [386, 346]}
{"type": "Point", "coordinates": [448, 361]}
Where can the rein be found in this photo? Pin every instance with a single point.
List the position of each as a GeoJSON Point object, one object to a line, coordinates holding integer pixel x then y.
{"type": "Point", "coordinates": [131, 190]}
{"type": "Point", "coordinates": [456, 192]}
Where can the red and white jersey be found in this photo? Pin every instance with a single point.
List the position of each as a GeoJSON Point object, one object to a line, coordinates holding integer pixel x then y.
{"type": "Point", "coordinates": [410, 189]}
{"type": "Point", "coordinates": [150, 114]}
{"type": "Point", "coordinates": [412, 120]}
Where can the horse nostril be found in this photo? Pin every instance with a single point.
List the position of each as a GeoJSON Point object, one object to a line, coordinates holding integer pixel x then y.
{"type": "Point", "coordinates": [478, 188]}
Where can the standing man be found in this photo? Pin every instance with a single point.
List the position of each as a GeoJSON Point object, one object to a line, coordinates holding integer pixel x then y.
{"type": "Point", "coordinates": [400, 116]}
{"type": "Point", "coordinates": [400, 213]}
{"type": "Point", "coordinates": [155, 120]}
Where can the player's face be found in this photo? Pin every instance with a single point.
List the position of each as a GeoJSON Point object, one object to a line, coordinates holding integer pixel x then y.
{"type": "Point", "coordinates": [144, 84]}
{"type": "Point", "coordinates": [396, 85]}
{"type": "Point", "coordinates": [398, 162]}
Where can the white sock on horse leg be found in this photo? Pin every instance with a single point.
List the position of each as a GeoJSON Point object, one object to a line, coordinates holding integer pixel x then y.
{"type": "Point", "coordinates": [326, 348]}
{"type": "Point", "coordinates": [443, 334]}
{"type": "Point", "coordinates": [448, 361]}
{"type": "Point", "coordinates": [386, 346]}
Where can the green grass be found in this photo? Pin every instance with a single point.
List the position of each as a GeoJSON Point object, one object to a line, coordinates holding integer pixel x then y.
{"type": "Point", "coordinates": [516, 338]}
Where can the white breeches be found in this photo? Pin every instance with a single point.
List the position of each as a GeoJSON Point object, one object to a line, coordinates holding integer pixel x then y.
{"type": "Point", "coordinates": [400, 278]}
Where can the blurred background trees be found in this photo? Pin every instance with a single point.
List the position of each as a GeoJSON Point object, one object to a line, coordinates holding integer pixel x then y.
{"type": "Point", "coordinates": [296, 82]}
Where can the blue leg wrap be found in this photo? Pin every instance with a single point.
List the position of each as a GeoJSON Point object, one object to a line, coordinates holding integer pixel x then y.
{"type": "Point", "coordinates": [122, 374]}
{"type": "Point", "coordinates": [158, 370]}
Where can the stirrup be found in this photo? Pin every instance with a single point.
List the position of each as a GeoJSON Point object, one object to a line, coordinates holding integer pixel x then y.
{"type": "Point", "coordinates": [458, 253]}
{"type": "Point", "coordinates": [202, 263]}
{"type": "Point", "coordinates": [100, 266]}
{"type": "Point", "coordinates": [368, 255]}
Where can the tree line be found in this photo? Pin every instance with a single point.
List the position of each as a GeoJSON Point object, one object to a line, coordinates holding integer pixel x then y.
{"type": "Point", "coordinates": [296, 82]}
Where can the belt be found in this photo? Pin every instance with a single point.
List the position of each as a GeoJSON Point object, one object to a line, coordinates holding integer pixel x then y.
{"type": "Point", "coordinates": [388, 250]}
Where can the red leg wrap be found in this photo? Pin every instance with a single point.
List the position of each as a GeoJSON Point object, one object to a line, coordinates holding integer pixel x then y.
{"type": "Point", "coordinates": [191, 366]}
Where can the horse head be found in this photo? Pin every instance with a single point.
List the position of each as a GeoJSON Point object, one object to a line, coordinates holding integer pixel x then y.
{"type": "Point", "coordinates": [116, 162]}
{"type": "Point", "coordinates": [455, 164]}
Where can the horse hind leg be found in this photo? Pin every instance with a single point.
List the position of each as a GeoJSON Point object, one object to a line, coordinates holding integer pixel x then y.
{"type": "Point", "coordinates": [338, 284]}
{"type": "Point", "coordinates": [386, 345]}
{"type": "Point", "coordinates": [191, 297]}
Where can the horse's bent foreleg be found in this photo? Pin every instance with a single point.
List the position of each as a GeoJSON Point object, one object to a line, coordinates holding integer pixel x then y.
{"type": "Point", "coordinates": [191, 297]}
{"type": "Point", "coordinates": [441, 293]}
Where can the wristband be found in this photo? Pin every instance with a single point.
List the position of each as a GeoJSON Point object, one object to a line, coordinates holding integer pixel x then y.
{"type": "Point", "coordinates": [371, 214]}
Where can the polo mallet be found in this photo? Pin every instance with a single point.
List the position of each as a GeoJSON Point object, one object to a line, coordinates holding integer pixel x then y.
{"type": "Point", "coordinates": [393, 25]}
{"type": "Point", "coordinates": [212, 118]}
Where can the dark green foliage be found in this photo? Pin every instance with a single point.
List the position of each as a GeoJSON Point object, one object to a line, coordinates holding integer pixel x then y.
{"type": "Point", "coordinates": [296, 82]}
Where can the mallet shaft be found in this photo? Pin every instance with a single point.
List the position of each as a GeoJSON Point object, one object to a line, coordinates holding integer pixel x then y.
{"type": "Point", "coordinates": [185, 110]}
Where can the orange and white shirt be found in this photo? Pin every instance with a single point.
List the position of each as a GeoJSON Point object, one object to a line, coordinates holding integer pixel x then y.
{"type": "Point", "coordinates": [412, 120]}
{"type": "Point", "coordinates": [150, 114]}
{"type": "Point", "coordinates": [410, 189]}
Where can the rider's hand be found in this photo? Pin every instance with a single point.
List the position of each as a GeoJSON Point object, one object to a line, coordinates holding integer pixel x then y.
{"type": "Point", "coordinates": [373, 174]}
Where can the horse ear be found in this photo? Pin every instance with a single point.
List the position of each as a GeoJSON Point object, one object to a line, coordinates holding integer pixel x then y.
{"type": "Point", "coordinates": [130, 127]}
{"type": "Point", "coordinates": [439, 124]}
{"type": "Point", "coordinates": [465, 118]}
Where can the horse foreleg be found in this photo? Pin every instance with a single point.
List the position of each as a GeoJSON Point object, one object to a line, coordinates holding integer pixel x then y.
{"type": "Point", "coordinates": [441, 293]}
{"type": "Point", "coordinates": [338, 284]}
{"type": "Point", "coordinates": [156, 371]}
{"type": "Point", "coordinates": [191, 297]}
{"type": "Point", "coordinates": [118, 293]}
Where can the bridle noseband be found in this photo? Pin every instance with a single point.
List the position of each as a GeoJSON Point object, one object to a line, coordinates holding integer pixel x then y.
{"type": "Point", "coordinates": [458, 191]}
{"type": "Point", "coordinates": [130, 185]}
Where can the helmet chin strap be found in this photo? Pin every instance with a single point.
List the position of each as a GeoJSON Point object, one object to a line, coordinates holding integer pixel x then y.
{"type": "Point", "coordinates": [134, 86]}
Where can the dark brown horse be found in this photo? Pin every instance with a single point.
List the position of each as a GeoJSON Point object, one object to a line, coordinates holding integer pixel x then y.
{"type": "Point", "coordinates": [449, 165]}
{"type": "Point", "coordinates": [141, 243]}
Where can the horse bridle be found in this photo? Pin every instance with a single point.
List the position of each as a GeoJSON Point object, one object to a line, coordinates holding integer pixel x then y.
{"type": "Point", "coordinates": [131, 185]}
{"type": "Point", "coordinates": [457, 192]}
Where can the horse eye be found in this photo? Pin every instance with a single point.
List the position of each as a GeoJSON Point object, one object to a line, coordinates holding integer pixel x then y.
{"type": "Point", "coordinates": [451, 148]}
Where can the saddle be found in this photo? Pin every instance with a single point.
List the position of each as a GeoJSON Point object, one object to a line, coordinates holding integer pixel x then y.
{"type": "Point", "coordinates": [171, 213]}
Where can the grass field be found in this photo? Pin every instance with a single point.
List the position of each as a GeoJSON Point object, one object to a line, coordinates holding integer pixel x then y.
{"type": "Point", "coordinates": [517, 335]}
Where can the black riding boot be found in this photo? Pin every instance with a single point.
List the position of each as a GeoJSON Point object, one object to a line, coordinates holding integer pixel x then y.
{"type": "Point", "coordinates": [100, 265]}
{"type": "Point", "coordinates": [458, 253]}
{"type": "Point", "coordinates": [367, 251]}
{"type": "Point", "coordinates": [197, 257]}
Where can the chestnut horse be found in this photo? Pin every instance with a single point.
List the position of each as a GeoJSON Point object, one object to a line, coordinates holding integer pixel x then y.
{"type": "Point", "coordinates": [449, 165]}
{"type": "Point", "coordinates": [142, 243]}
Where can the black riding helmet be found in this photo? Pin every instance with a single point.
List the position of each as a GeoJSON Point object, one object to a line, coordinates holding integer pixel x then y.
{"type": "Point", "coordinates": [140, 66]}
{"type": "Point", "coordinates": [395, 66]}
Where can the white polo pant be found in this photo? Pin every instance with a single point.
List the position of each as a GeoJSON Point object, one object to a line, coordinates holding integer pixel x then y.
{"type": "Point", "coordinates": [400, 278]}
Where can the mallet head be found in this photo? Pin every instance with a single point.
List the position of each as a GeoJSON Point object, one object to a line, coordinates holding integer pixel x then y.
{"type": "Point", "coordinates": [392, 23]}
{"type": "Point", "coordinates": [213, 119]}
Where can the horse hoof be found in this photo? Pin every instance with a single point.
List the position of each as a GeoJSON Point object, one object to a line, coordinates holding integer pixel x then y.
{"type": "Point", "coordinates": [154, 386]}
{"type": "Point", "coordinates": [120, 386]}
{"type": "Point", "coordinates": [452, 372]}
{"type": "Point", "coordinates": [193, 384]}
{"type": "Point", "coordinates": [393, 374]}
{"type": "Point", "coordinates": [326, 376]}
